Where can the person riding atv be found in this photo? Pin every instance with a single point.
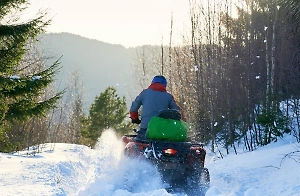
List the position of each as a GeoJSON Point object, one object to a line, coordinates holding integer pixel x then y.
{"type": "Point", "coordinates": [162, 141]}
{"type": "Point", "coordinates": [153, 100]}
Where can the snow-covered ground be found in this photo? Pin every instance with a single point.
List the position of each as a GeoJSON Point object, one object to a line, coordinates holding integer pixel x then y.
{"type": "Point", "coordinates": [77, 170]}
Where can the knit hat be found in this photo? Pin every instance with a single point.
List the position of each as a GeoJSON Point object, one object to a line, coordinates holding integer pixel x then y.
{"type": "Point", "coordinates": [160, 79]}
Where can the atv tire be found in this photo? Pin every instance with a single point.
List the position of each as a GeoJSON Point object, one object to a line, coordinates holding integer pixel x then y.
{"type": "Point", "coordinates": [198, 182]}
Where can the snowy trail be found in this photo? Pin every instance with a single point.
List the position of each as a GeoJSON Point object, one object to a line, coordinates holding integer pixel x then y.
{"type": "Point", "coordinates": [247, 174]}
{"type": "Point", "coordinates": [72, 170]}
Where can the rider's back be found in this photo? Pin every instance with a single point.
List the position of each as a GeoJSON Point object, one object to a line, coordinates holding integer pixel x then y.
{"type": "Point", "coordinates": [153, 102]}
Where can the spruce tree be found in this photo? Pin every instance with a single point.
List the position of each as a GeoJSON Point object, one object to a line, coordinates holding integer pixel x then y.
{"type": "Point", "coordinates": [21, 89]}
{"type": "Point", "coordinates": [108, 111]}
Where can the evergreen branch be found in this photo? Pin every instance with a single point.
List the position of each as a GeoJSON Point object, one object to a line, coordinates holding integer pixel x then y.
{"type": "Point", "coordinates": [26, 108]}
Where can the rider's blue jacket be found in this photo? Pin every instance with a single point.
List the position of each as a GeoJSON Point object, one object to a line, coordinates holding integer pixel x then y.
{"type": "Point", "coordinates": [153, 99]}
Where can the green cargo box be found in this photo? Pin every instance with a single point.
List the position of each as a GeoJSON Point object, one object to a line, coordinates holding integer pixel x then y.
{"type": "Point", "coordinates": [167, 129]}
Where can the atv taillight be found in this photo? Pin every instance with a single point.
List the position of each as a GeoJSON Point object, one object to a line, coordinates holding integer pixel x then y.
{"type": "Point", "coordinates": [170, 151]}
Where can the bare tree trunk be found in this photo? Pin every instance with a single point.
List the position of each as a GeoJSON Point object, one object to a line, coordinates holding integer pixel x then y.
{"type": "Point", "coordinates": [273, 49]}
{"type": "Point", "coordinates": [170, 56]}
{"type": "Point", "coordinates": [268, 72]}
{"type": "Point", "coordinates": [162, 58]}
{"type": "Point", "coordinates": [296, 108]}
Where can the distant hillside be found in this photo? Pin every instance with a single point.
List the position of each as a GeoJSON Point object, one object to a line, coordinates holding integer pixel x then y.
{"type": "Point", "coordinates": [100, 64]}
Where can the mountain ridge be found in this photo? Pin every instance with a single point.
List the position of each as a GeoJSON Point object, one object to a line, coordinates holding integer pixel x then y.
{"type": "Point", "coordinates": [100, 64]}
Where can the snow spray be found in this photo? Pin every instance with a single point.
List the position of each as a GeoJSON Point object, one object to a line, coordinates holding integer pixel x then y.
{"type": "Point", "coordinates": [116, 173]}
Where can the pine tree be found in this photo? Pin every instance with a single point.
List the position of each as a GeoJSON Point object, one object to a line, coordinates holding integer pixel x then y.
{"type": "Point", "coordinates": [21, 89]}
{"type": "Point", "coordinates": [107, 111]}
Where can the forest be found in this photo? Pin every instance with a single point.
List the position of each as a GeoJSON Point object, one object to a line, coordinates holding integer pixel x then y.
{"type": "Point", "coordinates": [235, 74]}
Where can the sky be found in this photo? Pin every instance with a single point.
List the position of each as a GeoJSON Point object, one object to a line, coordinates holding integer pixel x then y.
{"type": "Point", "coordinates": [127, 22]}
{"type": "Point", "coordinates": [69, 169]}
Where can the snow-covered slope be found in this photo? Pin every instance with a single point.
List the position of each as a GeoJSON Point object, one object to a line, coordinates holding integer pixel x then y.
{"type": "Point", "coordinates": [266, 171]}
{"type": "Point", "coordinates": [77, 170]}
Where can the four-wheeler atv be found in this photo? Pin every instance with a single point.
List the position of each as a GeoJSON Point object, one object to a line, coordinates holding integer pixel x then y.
{"type": "Point", "coordinates": [181, 164]}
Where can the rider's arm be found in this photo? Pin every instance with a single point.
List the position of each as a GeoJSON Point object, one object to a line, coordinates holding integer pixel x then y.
{"type": "Point", "coordinates": [135, 106]}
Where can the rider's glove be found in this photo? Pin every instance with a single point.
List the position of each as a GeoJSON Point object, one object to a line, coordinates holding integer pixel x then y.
{"type": "Point", "coordinates": [136, 121]}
